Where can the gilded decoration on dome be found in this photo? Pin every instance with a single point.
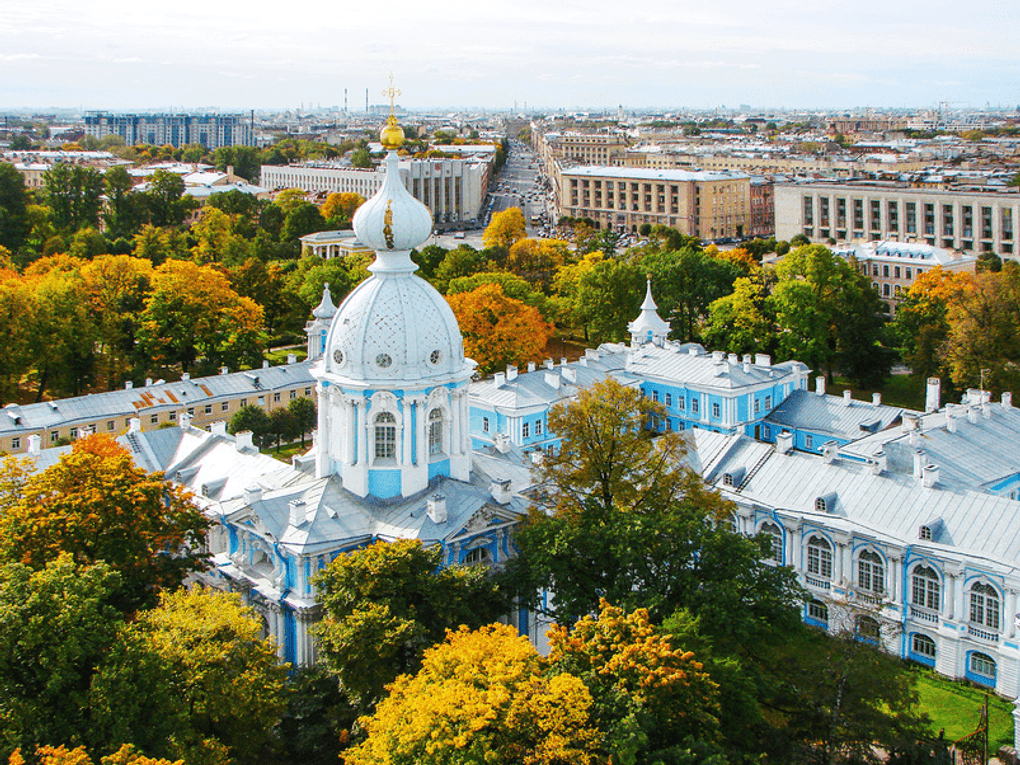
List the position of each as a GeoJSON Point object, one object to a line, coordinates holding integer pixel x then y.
{"type": "Point", "coordinates": [388, 224]}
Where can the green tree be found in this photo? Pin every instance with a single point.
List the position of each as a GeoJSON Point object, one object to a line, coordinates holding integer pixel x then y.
{"type": "Point", "coordinates": [304, 411]}
{"type": "Point", "coordinates": [121, 214]}
{"type": "Point", "coordinates": [57, 623]}
{"type": "Point", "coordinates": [385, 604]}
{"type": "Point", "coordinates": [304, 219]}
{"type": "Point", "coordinates": [254, 419]}
{"type": "Point", "coordinates": [283, 427]}
{"type": "Point", "coordinates": [462, 261]}
{"type": "Point", "coordinates": [685, 284]}
{"type": "Point", "coordinates": [168, 206]}
{"type": "Point", "coordinates": [743, 321]}
{"type": "Point", "coordinates": [606, 297]}
{"type": "Point", "coordinates": [14, 222]}
{"type": "Point", "coordinates": [74, 194]}
{"type": "Point", "coordinates": [361, 158]}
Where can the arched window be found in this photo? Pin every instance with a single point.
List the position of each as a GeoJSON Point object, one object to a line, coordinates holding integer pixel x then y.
{"type": "Point", "coordinates": [924, 588]}
{"type": "Point", "coordinates": [480, 556]}
{"type": "Point", "coordinates": [871, 572]}
{"type": "Point", "coordinates": [436, 431]}
{"type": "Point", "coordinates": [867, 628]}
{"type": "Point", "coordinates": [819, 557]}
{"type": "Point", "coordinates": [983, 666]}
{"type": "Point", "coordinates": [818, 612]}
{"type": "Point", "coordinates": [922, 645]}
{"type": "Point", "coordinates": [775, 536]}
{"type": "Point", "coordinates": [984, 606]}
{"type": "Point", "coordinates": [385, 436]}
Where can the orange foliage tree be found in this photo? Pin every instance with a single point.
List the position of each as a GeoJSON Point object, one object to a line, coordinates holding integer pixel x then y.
{"type": "Point", "coordinates": [481, 696]}
{"type": "Point", "coordinates": [505, 229]}
{"type": "Point", "coordinates": [61, 755]}
{"type": "Point", "coordinates": [497, 329]}
{"type": "Point", "coordinates": [638, 681]}
{"type": "Point", "coordinates": [98, 506]}
{"type": "Point", "coordinates": [342, 206]}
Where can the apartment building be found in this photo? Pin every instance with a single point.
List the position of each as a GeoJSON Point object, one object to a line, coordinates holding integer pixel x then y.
{"type": "Point", "coordinates": [952, 219]}
{"type": "Point", "coordinates": [210, 130]}
{"type": "Point", "coordinates": [453, 189]}
{"type": "Point", "coordinates": [702, 204]}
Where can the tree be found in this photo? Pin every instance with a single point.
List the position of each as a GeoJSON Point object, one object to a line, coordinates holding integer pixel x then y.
{"type": "Point", "coordinates": [56, 624]}
{"type": "Point", "coordinates": [650, 699]}
{"type": "Point", "coordinates": [159, 244]}
{"type": "Point", "coordinates": [192, 313]}
{"type": "Point", "coordinates": [465, 260]}
{"type": "Point", "coordinates": [14, 222]}
{"type": "Point", "coordinates": [922, 319]}
{"type": "Point", "coordinates": [505, 229]}
{"type": "Point", "coordinates": [121, 215]}
{"type": "Point", "coordinates": [497, 329]}
{"type": "Point", "coordinates": [217, 240]}
{"type": "Point", "coordinates": [685, 284]}
{"type": "Point", "coordinates": [536, 260]}
{"type": "Point", "coordinates": [283, 427]}
{"type": "Point", "coordinates": [304, 219]}
{"type": "Point", "coordinates": [17, 328]}
{"type": "Point", "coordinates": [254, 419]}
{"type": "Point", "coordinates": [304, 412]}
{"type": "Point", "coordinates": [74, 194]}
{"type": "Point", "coordinates": [743, 321]}
{"type": "Point", "coordinates": [481, 697]}
{"type": "Point", "coordinates": [606, 297]}
{"type": "Point", "coordinates": [61, 755]}
{"type": "Point", "coordinates": [340, 207]}
{"type": "Point", "coordinates": [265, 284]}
{"type": "Point", "coordinates": [226, 683]}
{"type": "Point", "coordinates": [95, 505]}
{"type": "Point", "coordinates": [385, 604]}
{"type": "Point", "coordinates": [168, 206]}
{"type": "Point", "coordinates": [361, 158]}
{"type": "Point", "coordinates": [629, 524]}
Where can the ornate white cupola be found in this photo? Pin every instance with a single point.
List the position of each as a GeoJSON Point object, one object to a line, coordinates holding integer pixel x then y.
{"type": "Point", "coordinates": [393, 410]}
{"type": "Point", "coordinates": [648, 327]}
{"type": "Point", "coordinates": [318, 327]}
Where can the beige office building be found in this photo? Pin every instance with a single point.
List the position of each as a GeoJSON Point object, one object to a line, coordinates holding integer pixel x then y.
{"type": "Point", "coordinates": [970, 221]}
{"type": "Point", "coordinates": [702, 204]}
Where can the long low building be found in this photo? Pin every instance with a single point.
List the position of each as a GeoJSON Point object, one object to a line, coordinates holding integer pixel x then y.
{"type": "Point", "coordinates": [709, 205]}
{"type": "Point", "coordinates": [970, 221]}
{"type": "Point", "coordinates": [453, 189]}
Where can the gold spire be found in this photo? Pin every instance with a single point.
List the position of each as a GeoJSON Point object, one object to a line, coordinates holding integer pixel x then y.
{"type": "Point", "coordinates": [391, 136]}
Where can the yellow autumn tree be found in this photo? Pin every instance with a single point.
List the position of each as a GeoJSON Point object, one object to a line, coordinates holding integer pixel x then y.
{"type": "Point", "coordinates": [481, 696]}
{"type": "Point", "coordinates": [499, 330]}
{"type": "Point", "coordinates": [639, 682]}
{"type": "Point", "coordinates": [537, 260]}
{"type": "Point", "coordinates": [505, 229]}
{"type": "Point", "coordinates": [61, 755]}
{"type": "Point", "coordinates": [341, 205]}
{"type": "Point", "coordinates": [17, 327]}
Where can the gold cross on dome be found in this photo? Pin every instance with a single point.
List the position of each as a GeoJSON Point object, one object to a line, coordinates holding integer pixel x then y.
{"type": "Point", "coordinates": [391, 93]}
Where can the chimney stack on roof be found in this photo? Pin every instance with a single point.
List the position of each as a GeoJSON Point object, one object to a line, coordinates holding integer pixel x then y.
{"type": "Point", "coordinates": [848, 398]}
{"type": "Point", "coordinates": [243, 440]}
{"type": "Point", "coordinates": [500, 490]}
{"type": "Point", "coordinates": [436, 506]}
{"type": "Point", "coordinates": [933, 395]}
{"type": "Point", "coordinates": [784, 442]}
{"type": "Point", "coordinates": [876, 399]}
{"type": "Point", "coordinates": [820, 385]}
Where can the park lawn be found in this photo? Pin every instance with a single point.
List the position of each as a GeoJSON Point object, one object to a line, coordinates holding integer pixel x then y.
{"type": "Point", "coordinates": [956, 706]}
{"type": "Point", "coordinates": [900, 390]}
{"type": "Point", "coordinates": [287, 450]}
{"type": "Point", "coordinates": [278, 356]}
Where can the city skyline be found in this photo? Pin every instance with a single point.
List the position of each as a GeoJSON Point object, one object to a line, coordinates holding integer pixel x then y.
{"type": "Point", "coordinates": [597, 54]}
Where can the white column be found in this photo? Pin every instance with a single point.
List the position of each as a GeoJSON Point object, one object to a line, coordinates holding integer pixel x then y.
{"type": "Point", "coordinates": [456, 442]}
{"type": "Point", "coordinates": [420, 435]}
{"type": "Point", "coordinates": [893, 577]}
{"type": "Point", "coordinates": [362, 430]}
{"type": "Point", "coordinates": [350, 431]}
{"type": "Point", "coordinates": [1010, 616]}
{"type": "Point", "coordinates": [405, 431]}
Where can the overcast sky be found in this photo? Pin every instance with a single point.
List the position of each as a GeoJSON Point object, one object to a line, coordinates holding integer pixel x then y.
{"type": "Point", "coordinates": [549, 53]}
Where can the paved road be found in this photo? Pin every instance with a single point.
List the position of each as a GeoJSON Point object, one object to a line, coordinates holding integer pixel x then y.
{"type": "Point", "coordinates": [516, 186]}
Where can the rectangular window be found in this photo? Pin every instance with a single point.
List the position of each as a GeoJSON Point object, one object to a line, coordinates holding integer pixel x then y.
{"type": "Point", "coordinates": [154, 419]}
{"type": "Point", "coordinates": [669, 400]}
{"type": "Point", "coordinates": [485, 424]}
{"type": "Point", "coordinates": [54, 437]}
{"type": "Point", "coordinates": [308, 391]}
{"type": "Point", "coordinates": [1007, 223]}
{"type": "Point", "coordinates": [766, 432]}
{"type": "Point", "coordinates": [911, 217]}
{"type": "Point", "coordinates": [694, 405]}
{"type": "Point", "coordinates": [715, 411]}
{"type": "Point", "coordinates": [757, 406]}
{"type": "Point", "coordinates": [293, 394]}
{"type": "Point", "coordinates": [655, 395]}
{"type": "Point", "coordinates": [172, 416]}
{"type": "Point", "coordinates": [276, 397]}
{"type": "Point", "coordinates": [208, 408]}
{"type": "Point", "coordinates": [225, 406]}
{"type": "Point", "coordinates": [809, 211]}
{"type": "Point", "coordinates": [809, 442]}
{"type": "Point", "coordinates": [526, 430]}
{"type": "Point", "coordinates": [16, 443]}
{"type": "Point", "coordinates": [261, 400]}
{"type": "Point", "coordinates": [681, 403]}
{"type": "Point", "coordinates": [538, 427]}
{"type": "Point", "coordinates": [816, 610]}
{"type": "Point", "coordinates": [110, 425]}
{"type": "Point", "coordinates": [768, 402]}
{"type": "Point", "coordinates": [244, 402]}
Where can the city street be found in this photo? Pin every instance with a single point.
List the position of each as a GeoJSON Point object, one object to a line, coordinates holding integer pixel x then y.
{"type": "Point", "coordinates": [516, 186]}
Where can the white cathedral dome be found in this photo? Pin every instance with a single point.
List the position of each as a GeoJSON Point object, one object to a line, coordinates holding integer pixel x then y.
{"type": "Point", "coordinates": [394, 326]}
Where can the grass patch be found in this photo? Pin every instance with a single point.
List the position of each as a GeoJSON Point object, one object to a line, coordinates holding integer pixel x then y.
{"type": "Point", "coordinates": [900, 390]}
{"type": "Point", "coordinates": [956, 706]}
{"type": "Point", "coordinates": [287, 451]}
{"type": "Point", "coordinates": [278, 356]}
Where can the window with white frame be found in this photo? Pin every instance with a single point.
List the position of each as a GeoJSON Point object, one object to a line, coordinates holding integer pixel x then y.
{"type": "Point", "coordinates": [16, 443]}
{"type": "Point", "coordinates": [809, 442]}
{"type": "Point", "coordinates": [925, 589]}
{"type": "Point", "coordinates": [436, 431]}
{"type": "Point", "coordinates": [757, 406]}
{"type": "Point", "coordinates": [768, 402]}
{"type": "Point", "coordinates": [922, 645]}
{"type": "Point", "coordinates": [655, 395]}
{"type": "Point", "coordinates": [669, 399]}
{"type": "Point", "coordinates": [480, 556]}
{"type": "Point", "coordinates": [775, 535]}
{"type": "Point", "coordinates": [681, 403]}
{"type": "Point", "coordinates": [984, 606]}
{"type": "Point", "coordinates": [982, 665]}
{"type": "Point", "coordinates": [819, 557]}
{"type": "Point", "coordinates": [538, 427]}
{"type": "Point", "coordinates": [526, 430]}
{"type": "Point", "coordinates": [694, 405]}
{"type": "Point", "coordinates": [715, 411]}
{"type": "Point", "coordinates": [818, 611]}
{"type": "Point", "coordinates": [485, 424]}
{"type": "Point", "coordinates": [871, 572]}
{"type": "Point", "coordinates": [385, 436]}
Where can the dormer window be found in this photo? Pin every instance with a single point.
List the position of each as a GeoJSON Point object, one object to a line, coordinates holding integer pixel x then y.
{"type": "Point", "coordinates": [925, 533]}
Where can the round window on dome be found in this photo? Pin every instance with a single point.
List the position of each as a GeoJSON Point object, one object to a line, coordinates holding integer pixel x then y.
{"type": "Point", "coordinates": [435, 357]}
{"type": "Point", "coordinates": [338, 356]}
{"type": "Point", "coordinates": [383, 360]}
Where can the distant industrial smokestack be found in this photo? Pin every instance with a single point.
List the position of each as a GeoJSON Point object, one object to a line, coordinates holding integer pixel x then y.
{"type": "Point", "coordinates": [366, 99]}
{"type": "Point", "coordinates": [345, 100]}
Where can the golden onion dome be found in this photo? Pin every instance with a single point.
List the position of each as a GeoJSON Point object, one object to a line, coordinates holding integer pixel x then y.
{"type": "Point", "coordinates": [391, 136]}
